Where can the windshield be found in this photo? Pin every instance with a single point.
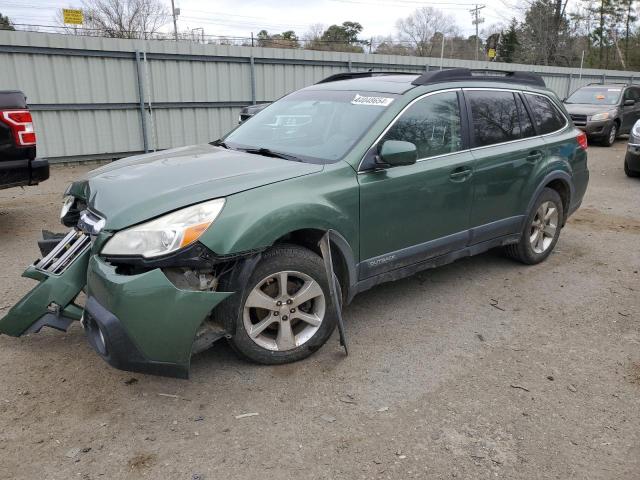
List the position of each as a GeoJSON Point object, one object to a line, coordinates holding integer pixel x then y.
{"type": "Point", "coordinates": [596, 96]}
{"type": "Point", "coordinates": [316, 126]}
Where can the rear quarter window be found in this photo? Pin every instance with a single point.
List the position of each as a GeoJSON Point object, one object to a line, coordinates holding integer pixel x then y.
{"type": "Point", "coordinates": [546, 115]}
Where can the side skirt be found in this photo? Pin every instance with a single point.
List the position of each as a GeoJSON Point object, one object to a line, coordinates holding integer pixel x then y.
{"type": "Point", "coordinates": [407, 271]}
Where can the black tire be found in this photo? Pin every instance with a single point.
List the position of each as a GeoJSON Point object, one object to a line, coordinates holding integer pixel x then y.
{"type": "Point", "coordinates": [279, 259]}
{"type": "Point", "coordinates": [523, 251]}
{"type": "Point", "coordinates": [629, 172]}
{"type": "Point", "coordinates": [610, 138]}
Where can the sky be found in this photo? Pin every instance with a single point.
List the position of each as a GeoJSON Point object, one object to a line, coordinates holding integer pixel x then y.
{"type": "Point", "coordinates": [241, 17]}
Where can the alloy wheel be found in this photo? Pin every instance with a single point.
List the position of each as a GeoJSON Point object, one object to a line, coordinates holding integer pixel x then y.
{"type": "Point", "coordinates": [613, 133]}
{"type": "Point", "coordinates": [284, 310]}
{"type": "Point", "coordinates": [543, 227]}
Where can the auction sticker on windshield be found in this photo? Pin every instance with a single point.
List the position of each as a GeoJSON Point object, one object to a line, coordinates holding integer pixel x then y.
{"type": "Point", "coordinates": [377, 101]}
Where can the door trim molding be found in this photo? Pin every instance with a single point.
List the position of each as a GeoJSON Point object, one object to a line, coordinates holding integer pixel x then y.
{"type": "Point", "coordinates": [405, 257]}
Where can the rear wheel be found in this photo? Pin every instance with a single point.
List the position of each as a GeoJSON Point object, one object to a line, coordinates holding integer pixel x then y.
{"type": "Point", "coordinates": [542, 229]}
{"type": "Point", "coordinates": [286, 311]}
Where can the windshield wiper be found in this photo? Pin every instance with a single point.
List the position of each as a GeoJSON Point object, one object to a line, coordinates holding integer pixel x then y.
{"type": "Point", "coordinates": [270, 153]}
{"type": "Point", "coordinates": [220, 143]}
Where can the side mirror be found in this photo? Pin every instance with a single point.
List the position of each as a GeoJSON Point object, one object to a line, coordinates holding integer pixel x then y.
{"type": "Point", "coordinates": [395, 153]}
{"type": "Point", "coordinates": [629, 103]}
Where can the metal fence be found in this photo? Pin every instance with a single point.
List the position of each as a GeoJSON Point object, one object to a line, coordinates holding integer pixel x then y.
{"type": "Point", "coordinates": [107, 98]}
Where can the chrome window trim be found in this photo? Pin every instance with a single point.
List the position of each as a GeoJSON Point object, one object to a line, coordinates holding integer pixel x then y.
{"type": "Point", "coordinates": [464, 89]}
{"type": "Point", "coordinates": [566, 120]}
{"type": "Point", "coordinates": [395, 119]}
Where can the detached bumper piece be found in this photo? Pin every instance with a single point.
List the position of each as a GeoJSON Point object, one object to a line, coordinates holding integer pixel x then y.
{"type": "Point", "coordinates": [144, 323]}
{"type": "Point", "coordinates": [62, 274]}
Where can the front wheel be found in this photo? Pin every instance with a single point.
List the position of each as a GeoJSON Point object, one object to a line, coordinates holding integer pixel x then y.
{"type": "Point", "coordinates": [628, 172]}
{"type": "Point", "coordinates": [286, 312]}
{"type": "Point", "coordinates": [541, 231]}
{"type": "Point", "coordinates": [610, 138]}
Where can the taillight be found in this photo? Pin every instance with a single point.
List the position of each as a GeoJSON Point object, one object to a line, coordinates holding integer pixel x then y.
{"type": "Point", "coordinates": [582, 140]}
{"type": "Point", "coordinates": [21, 126]}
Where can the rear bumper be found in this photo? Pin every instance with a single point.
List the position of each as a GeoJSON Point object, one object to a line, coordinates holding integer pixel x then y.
{"type": "Point", "coordinates": [143, 323]}
{"type": "Point", "coordinates": [17, 173]}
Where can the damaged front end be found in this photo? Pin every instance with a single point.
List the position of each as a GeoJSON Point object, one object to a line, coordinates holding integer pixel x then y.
{"type": "Point", "coordinates": [140, 316]}
{"type": "Point", "coordinates": [62, 274]}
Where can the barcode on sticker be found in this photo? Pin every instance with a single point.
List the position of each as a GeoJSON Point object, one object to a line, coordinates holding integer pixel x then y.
{"type": "Point", "coordinates": [376, 101]}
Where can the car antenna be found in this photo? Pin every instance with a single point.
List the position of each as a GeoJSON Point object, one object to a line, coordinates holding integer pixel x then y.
{"type": "Point", "coordinates": [325, 248]}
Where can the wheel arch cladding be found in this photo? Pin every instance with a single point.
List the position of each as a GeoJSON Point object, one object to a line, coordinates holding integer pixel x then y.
{"type": "Point", "coordinates": [344, 263]}
{"type": "Point", "coordinates": [562, 187]}
{"type": "Point", "coordinates": [555, 180]}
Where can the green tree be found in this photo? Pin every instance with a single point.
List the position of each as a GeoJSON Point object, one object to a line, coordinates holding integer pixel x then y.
{"type": "Point", "coordinates": [5, 23]}
{"type": "Point", "coordinates": [287, 39]}
{"type": "Point", "coordinates": [509, 44]}
{"type": "Point", "coordinates": [342, 38]}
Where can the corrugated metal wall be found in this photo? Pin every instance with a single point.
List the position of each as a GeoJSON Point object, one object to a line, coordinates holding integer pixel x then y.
{"type": "Point", "coordinates": [85, 92]}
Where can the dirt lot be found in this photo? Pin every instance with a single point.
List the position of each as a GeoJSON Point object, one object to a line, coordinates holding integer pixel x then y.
{"type": "Point", "coordinates": [481, 369]}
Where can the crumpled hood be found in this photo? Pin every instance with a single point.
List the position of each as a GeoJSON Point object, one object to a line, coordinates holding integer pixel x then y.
{"type": "Point", "coordinates": [587, 109]}
{"type": "Point", "coordinates": [135, 189]}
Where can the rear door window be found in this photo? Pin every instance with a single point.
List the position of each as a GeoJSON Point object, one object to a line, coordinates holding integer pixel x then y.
{"type": "Point", "coordinates": [546, 115]}
{"type": "Point", "coordinates": [432, 124]}
{"type": "Point", "coordinates": [495, 116]}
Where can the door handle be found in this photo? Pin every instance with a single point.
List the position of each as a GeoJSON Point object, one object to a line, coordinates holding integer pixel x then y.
{"type": "Point", "coordinates": [460, 174]}
{"type": "Point", "coordinates": [534, 156]}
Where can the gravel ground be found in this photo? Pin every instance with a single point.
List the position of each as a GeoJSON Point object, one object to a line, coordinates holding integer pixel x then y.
{"type": "Point", "coordinates": [481, 369]}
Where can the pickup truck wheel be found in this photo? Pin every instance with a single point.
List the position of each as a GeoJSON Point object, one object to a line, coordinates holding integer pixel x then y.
{"type": "Point", "coordinates": [286, 312]}
{"type": "Point", "coordinates": [542, 229]}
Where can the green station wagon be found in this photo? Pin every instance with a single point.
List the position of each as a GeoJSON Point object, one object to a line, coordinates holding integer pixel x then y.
{"type": "Point", "coordinates": [400, 172]}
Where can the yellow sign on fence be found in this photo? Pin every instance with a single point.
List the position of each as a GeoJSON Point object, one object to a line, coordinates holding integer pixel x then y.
{"type": "Point", "coordinates": [72, 16]}
{"type": "Point", "coordinates": [492, 53]}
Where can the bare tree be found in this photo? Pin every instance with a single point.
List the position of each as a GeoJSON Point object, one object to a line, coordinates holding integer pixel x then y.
{"type": "Point", "coordinates": [420, 28]}
{"type": "Point", "coordinates": [124, 18]}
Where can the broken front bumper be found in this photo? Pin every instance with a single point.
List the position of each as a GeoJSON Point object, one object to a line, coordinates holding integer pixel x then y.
{"type": "Point", "coordinates": [141, 323]}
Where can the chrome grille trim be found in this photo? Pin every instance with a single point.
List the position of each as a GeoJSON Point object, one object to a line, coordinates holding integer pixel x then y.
{"type": "Point", "coordinates": [65, 253]}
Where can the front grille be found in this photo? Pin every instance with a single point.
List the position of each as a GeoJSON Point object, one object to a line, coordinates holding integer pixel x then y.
{"type": "Point", "coordinates": [579, 120]}
{"type": "Point", "coordinates": [64, 253]}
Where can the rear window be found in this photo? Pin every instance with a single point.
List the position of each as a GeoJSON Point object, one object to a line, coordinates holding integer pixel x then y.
{"type": "Point", "coordinates": [545, 114]}
{"type": "Point", "coordinates": [495, 117]}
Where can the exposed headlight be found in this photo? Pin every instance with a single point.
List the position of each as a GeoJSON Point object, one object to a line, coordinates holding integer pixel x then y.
{"type": "Point", "coordinates": [67, 203]}
{"type": "Point", "coordinates": [166, 234]}
{"type": "Point", "coordinates": [600, 116]}
{"type": "Point", "coordinates": [635, 131]}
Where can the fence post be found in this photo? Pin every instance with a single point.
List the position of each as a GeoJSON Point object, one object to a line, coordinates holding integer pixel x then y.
{"type": "Point", "coordinates": [143, 114]}
{"type": "Point", "coordinates": [426, 67]}
{"type": "Point", "coordinates": [252, 68]}
{"type": "Point", "coordinates": [349, 65]}
{"type": "Point", "coordinates": [604, 78]}
{"type": "Point", "coordinates": [631, 80]}
{"type": "Point", "coordinates": [569, 85]}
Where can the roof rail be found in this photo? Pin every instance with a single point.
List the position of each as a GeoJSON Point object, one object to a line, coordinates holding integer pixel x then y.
{"type": "Point", "coordinates": [466, 74]}
{"type": "Point", "coordinates": [606, 83]}
{"type": "Point", "coordinates": [351, 75]}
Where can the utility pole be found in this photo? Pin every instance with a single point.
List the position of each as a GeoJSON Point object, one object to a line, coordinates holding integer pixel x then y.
{"type": "Point", "coordinates": [477, 20]}
{"type": "Point", "coordinates": [175, 21]}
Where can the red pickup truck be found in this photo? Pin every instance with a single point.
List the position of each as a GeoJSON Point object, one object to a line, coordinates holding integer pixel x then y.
{"type": "Point", "coordinates": [18, 163]}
